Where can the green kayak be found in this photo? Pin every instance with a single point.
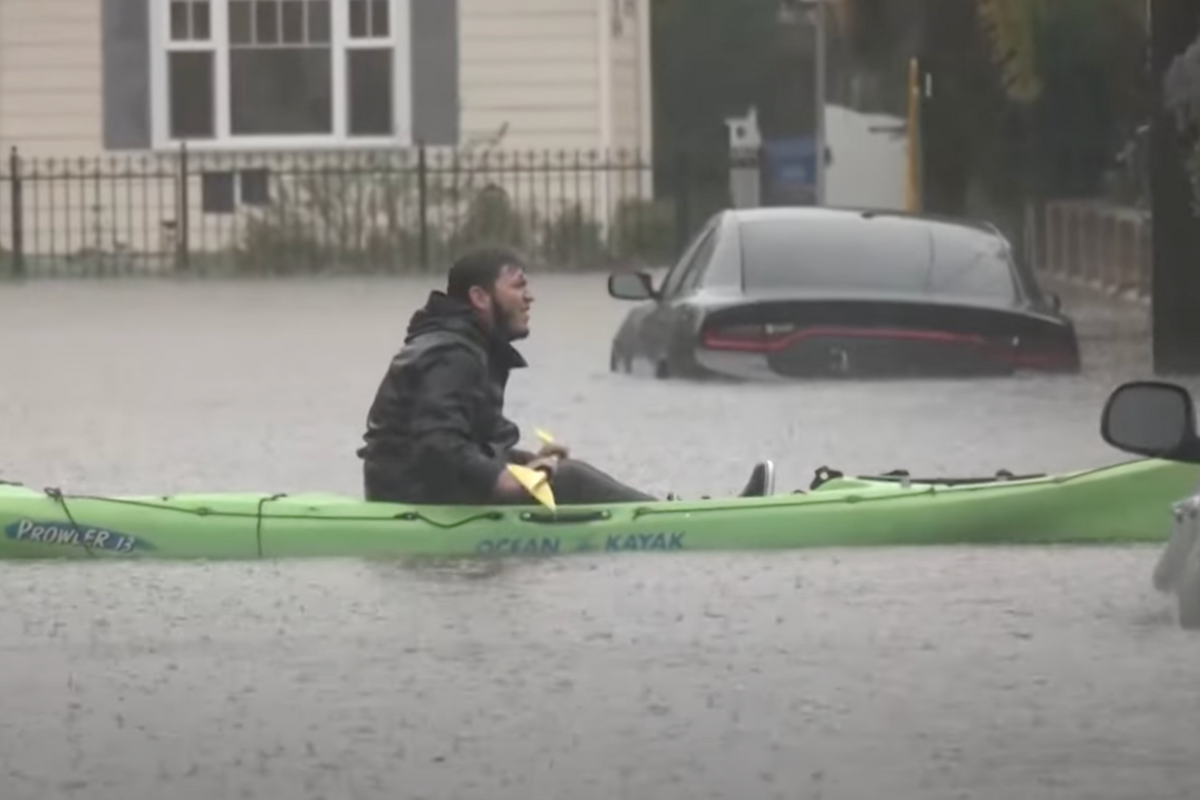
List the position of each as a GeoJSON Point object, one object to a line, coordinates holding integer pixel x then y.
{"type": "Point", "coordinates": [1128, 502]}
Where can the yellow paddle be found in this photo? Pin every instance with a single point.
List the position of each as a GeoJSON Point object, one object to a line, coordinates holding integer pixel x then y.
{"type": "Point", "coordinates": [536, 482]}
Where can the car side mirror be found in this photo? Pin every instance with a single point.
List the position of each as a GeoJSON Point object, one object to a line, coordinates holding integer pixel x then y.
{"type": "Point", "coordinates": [631, 286]}
{"type": "Point", "coordinates": [1151, 418]}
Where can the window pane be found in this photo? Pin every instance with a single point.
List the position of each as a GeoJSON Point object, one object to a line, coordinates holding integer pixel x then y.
{"type": "Point", "coordinates": [875, 255]}
{"type": "Point", "coordinates": [179, 21]}
{"type": "Point", "coordinates": [699, 265]}
{"type": "Point", "coordinates": [380, 18]}
{"type": "Point", "coordinates": [190, 83]}
{"type": "Point", "coordinates": [266, 22]}
{"type": "Point", "coordinates": [293, 21]}
{"type": "Point", "coordinates": [241, 28]}
{"type": "Point", "coordinates": [369, 79]}
{"type": "Point", "coordinates": [358, 19]}
{"type": "Point", "coordinates": [216, 193]}
{"type": "Point", "coordinates": [256, 186]}
{"type": "Point", "coordinates": [201, 21]}
{"type": "Point", "coordinates": [281, 90]}
{"type": "Point", "coordinates": [318, 21]}
{"type": "Point", "coordinates": [674, 276]}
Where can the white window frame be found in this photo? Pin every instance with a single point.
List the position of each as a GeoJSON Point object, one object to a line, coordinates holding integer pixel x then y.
{"type": "Point", "coordinates": [161, 46]}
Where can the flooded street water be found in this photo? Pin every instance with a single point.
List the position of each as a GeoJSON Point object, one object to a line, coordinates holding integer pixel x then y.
{"type": "Point", "coordinates": [923, 674]}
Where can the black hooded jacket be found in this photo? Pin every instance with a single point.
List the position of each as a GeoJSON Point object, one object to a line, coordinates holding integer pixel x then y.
{"type": "Point", "coordinates": [437, 429]}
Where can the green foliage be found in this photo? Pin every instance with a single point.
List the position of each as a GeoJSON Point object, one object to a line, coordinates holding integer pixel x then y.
{"type": "Point", "coordinates": [712, 59]}
{"type": "Point", "coordinates": [327, 219]}
{"type": "Point", "coordinates": [868, 29]}
{"type": "Point", "coordinates": [492, 218]}
{"type": "Point", "coordinates": [1012, 27]}
{"type": "Point", "coordinates": [645, 232]}
{"type": "Point", "coordinates": [1089, 58]}
{"type": "Point", "coordinates": [573, 240]}
{"type": "Point", "coordinates": [1192, 165]}
{"type": "Point", "coordinates": [1181, 90]}
{"type": "Point", "coordinates": [1037, 95]}
{"type": "Point", "coordinates": [367, 220]}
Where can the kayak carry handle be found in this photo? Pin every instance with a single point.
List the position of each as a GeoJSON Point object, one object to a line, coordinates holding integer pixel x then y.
{"type": "Point", "coordinates": [563, 517]}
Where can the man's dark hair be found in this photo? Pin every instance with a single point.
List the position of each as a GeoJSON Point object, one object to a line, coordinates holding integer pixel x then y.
{"type": "Point", "coordinates": [480, 267]}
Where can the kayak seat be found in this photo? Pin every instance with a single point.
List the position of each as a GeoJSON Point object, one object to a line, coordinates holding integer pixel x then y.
{"type": "Point", "coordinates": [762, 480]}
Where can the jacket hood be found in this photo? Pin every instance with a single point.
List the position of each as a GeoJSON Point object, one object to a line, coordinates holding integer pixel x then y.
{"type": "Point", "coordinates": [444, 313]}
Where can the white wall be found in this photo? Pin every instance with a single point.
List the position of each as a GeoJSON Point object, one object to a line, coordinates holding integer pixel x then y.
{"type": "Point", "coordinates": [869, 166]}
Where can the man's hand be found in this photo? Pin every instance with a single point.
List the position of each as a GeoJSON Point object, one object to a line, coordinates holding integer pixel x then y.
{"type": "Point", "coordinates": [507, 486]}
{"type": "Point", "coordinates": [553, 450]}
{"type": "Point", "coordinates": [545, 463]}
{"type": "Point", "coordinates": [519, 456]}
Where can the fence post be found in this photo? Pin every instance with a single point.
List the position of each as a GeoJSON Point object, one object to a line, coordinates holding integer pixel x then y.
{"type": "Point", "coordinates": [18, 215]}
{"type": "Point", "coordinates": [423, 207]}
{"type": "Point", "coordinates": [182, 255]}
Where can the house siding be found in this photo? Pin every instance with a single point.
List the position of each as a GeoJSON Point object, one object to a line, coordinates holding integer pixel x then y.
{"type": "Point", "coordinates": [626, 80]}
{"type": "Point", "coordinates": [50, 77]}
{"type": "Point", "coordinates": [530, 69]}
{"type": "Point", "coordinates": [527, 67]}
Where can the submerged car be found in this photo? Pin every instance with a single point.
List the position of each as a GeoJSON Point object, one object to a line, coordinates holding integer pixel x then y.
{"type": "Point", "coordinates": [1157, 419]}
{"type": "Point", "coordinates": [803, 292]}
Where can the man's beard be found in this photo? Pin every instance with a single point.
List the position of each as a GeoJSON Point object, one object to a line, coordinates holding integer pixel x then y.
{"type": "Point", "coordinates": [503, 329]}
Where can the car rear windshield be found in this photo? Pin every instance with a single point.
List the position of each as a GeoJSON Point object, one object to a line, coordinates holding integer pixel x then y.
{"type": "Point", "coordinates": [876, 255]}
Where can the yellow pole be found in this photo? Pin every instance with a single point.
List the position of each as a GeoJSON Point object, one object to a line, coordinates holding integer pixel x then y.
{"type": "Point", "coordinates": [912, 200]}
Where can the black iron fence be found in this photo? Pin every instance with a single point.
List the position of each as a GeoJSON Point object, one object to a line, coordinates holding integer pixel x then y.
{"type": "Point", "coordinates": [397, 211]}
{"type": "Point", "coordinates": [410, 211]}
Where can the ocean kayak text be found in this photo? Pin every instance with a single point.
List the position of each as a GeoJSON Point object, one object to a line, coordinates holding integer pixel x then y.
{"type": "Point", "coordinates": [553, 545]}
{"type": "Point", "coordinates": [67, 535]}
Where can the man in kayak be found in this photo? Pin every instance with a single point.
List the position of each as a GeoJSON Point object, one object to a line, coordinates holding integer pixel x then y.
{"type": "Point", "coordinates": [436, 431]}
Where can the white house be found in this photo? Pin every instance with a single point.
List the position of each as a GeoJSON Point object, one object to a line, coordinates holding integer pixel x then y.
{"type": "Point", "coordinates": [81, 77]}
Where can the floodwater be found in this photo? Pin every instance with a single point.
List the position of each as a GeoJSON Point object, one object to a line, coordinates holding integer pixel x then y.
{"type": "Point", "coordinates": [923, 674]}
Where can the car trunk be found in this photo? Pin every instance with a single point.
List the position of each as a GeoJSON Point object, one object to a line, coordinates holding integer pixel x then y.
{"type": "Point", "coordinates": [823, 336]}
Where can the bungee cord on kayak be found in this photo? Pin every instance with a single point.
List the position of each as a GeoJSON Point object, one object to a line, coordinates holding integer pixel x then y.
{"type": "Point", "coordinates": [56, 494]}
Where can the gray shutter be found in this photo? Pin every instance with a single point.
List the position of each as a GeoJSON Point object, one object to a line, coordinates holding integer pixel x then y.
{"type": "Point", "coordinates": [125, 50]}
{"type": "Point", "coordinates": [434, 28]}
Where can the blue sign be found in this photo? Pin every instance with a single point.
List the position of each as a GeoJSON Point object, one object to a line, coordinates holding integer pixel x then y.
{"type": "Point", "coordinates": [68, 535]}
{"type": "Point", "coordinates": [645, 541]}
{"type": "Point", "coordinates": [520, 546]}
{"type": "Point", "coordinates": [792, 162]}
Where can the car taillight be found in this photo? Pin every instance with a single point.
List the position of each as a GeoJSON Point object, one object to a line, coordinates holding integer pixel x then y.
{"type": "Point", "coordinates": [1048, 357]}
{"type": "Point", "coordinates": [749, 338]}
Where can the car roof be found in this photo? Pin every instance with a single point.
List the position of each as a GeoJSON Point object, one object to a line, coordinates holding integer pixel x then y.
{"type": "Point", "coordinates": [728, 272]}
{"type": "Point", "coordinates": [817, 213]}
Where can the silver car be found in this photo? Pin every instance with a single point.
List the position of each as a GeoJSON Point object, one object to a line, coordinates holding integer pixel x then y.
{"type": "Point", "coordinates": [1158, 419]}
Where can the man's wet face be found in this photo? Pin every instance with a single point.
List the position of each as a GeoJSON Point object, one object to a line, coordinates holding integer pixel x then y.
{"type": "Point", "coordinates": [511, 301]}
